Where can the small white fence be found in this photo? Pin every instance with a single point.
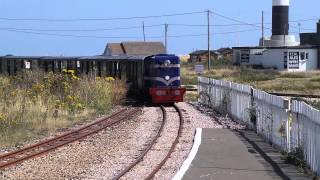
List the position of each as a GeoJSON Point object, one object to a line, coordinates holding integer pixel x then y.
{"type": "Point", "coordinates": [286, 124]}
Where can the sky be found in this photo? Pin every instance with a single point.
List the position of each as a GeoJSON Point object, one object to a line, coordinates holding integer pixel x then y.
{"type": "Point", "coordinates": [89, 37]}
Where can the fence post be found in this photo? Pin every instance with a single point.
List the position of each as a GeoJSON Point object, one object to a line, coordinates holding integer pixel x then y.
{"type": "Point", "coordinates": [287, 105]}
{"type": "Point", "coordinates": [252, 105]}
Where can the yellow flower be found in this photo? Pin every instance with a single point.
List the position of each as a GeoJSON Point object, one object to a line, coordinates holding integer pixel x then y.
{"type": "Point", "coordinates": [57, 104]}
{"type": "Point", "coordinates": [2, 117]}
{"type": "Point", "coordinates": [70, 98]}
{"type": "Point", "coordinates": [14, 93]}
{"type": "Point", "coordinates": [71, 71]}
{"type": "Point", "coordinates": [110, 79]}
{"type": "Point", "coordinates": [74, 77]}
{"type": "Point", "coordinates": [79, 106]}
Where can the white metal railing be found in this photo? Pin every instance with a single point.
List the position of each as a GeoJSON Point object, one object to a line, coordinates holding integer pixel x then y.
{"type": "Point", "coordinates": [286, 124]}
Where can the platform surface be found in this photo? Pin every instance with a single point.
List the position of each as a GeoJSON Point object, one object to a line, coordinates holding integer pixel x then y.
{"type": "Point", "coordinates": [225, 155]}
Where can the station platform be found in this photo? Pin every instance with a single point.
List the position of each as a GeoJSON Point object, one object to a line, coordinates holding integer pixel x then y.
{"type": "Point", "coordinates": [238, 155]}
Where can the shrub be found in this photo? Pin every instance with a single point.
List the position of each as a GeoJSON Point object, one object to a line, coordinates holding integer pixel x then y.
{"type": "Point", "coordinates": [34, 103]}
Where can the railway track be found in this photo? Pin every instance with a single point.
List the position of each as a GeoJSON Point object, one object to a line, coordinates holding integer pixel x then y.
{"type": "Point", "coordinates": [153, 143]}
{"type": "Point", "coordinates": [44, 147]}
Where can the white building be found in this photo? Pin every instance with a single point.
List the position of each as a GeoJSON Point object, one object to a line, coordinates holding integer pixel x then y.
{"type": "Point", "coordinates": [292, 58]}
{"type": "Point", "coordinates": [281, 51]}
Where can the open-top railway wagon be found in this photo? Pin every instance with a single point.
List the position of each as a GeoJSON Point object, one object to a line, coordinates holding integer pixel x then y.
{"type": "Point", "coordinates": [157, 76]}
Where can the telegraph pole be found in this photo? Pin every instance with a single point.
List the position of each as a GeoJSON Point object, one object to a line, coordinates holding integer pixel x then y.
{"type": "Point", "coordinates": [299, 24]}
{"type": "Point", "coordinates": [166, 36]}
{"type": "Point", "coordinates": [262, 29]}
{"type": "Point", "coordinates": [144, 33]}
{"type": "Point", "coordinates": [209, 53]}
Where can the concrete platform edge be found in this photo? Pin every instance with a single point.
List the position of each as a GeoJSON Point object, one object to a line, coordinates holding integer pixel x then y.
{"type": "Point", "coordinates": [194, 150]}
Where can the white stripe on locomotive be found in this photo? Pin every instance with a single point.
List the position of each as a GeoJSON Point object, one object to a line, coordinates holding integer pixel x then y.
{"type": "Point", "coordinates": [163, 80]}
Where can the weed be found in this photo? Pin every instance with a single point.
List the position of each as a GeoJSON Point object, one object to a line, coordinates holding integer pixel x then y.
{"type": "Point", "coordinates": [296, 157]}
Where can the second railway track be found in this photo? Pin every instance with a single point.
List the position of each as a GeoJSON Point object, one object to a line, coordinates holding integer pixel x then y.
{"type": "Point", "coordinates": [154, 142]}
{"type": "Point", "coordinates": [41, 148]}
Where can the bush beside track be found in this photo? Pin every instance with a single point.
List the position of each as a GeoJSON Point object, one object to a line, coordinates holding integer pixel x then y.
{"type": "Point", "coordinates": [35, 104]}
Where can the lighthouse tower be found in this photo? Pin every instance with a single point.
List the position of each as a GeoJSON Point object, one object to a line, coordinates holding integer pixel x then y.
{"type": "Point", "coordinates": [280, 26]}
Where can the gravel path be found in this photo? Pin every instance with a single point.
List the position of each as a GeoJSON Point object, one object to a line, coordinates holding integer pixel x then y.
{"type": "Point", "coordinates": [105, 154]}
{"type": "Point", "coordinates": [159, 150]}
{"type": "Point", "coordinates": [96, 157]}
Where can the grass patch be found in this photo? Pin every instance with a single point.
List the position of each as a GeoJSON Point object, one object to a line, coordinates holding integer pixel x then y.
{"type": "Point", "coordinates": [267, 80]}
{"type": "Point", "coordinates": [294, 75]}
{"type": "Point", "coordinates": [191, 97]}
{"type": "Point", "coordinates": [33, 104]}
{"type": "Point", "coordinates": [316, 79]}
{"type": "Point", "coordinates": [250, 75]}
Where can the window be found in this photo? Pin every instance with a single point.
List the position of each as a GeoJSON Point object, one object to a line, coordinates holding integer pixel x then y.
{"type": "Point", "coordinates": [307, 55]}
{"type": "Point", "coordinates": [302, 56]}
{"type": "Point", "coordinates": [285, 60]}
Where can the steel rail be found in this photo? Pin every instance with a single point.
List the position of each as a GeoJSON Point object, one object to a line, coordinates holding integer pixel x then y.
{"type": "Point", "coordinates": [142, 155]}
{"type": "Point", "coordinates": [41, 148]}
{"type": "Point", "coordinates": [146, 150]}
{"type": "Point", "coordinates": [173, 146]}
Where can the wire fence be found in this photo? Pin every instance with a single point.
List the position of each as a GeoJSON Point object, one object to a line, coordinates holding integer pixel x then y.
{"type": "Point", "coordinates": [288, 125]}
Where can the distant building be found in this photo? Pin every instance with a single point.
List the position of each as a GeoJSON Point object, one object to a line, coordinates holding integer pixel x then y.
{"type": "Point", "coordinates": [134, 48]}
{"type": "Point", "coordinates": [282, 51]}
{"type": "Point", "coordinates": [202, 56]}
{"type": "Point", "coordinates": [304, 57]}
{"type": "Point", "coordinates": [291, 58]}
{"type": "Point", "coordinates": [311, 38]}
{"type": "Point", "coordinates": [225, 53]}
{"type": "Point", "coordinates": [114, 49]}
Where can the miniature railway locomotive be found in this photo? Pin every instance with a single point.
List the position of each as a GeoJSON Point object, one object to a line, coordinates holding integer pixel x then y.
{"type": "Point", "coordinates": [162, 78]}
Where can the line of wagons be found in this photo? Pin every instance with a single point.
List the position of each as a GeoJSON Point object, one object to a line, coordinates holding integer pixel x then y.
{"type": "Point", "coordinates": [157, 76]}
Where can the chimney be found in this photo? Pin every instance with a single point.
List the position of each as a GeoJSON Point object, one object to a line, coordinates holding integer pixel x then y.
{"type": "Point", "coordinates": [318, 27]}
{"type": "Point", "coordinates": [280, 17]}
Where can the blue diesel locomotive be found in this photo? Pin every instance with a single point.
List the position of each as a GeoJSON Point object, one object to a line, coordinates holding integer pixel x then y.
{"type": "Point", "coordinates": [162, 78]}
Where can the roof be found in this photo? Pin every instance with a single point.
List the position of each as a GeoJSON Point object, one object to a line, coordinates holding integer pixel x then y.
{"type": "Point", "coordinates": [143, 48]}
{"type": "Point", "coordinates": [280, 47]}
{"type": "Point", "coordinates": [113, 58]}
{"type": "Point", "coordinates": [134, 48]}
{"type": "Point", "coordinates": [201, 52]}
{"type": "Point", "coordinates": [224, 50]}
{"type": "Point", "coordinates": [113, 49]}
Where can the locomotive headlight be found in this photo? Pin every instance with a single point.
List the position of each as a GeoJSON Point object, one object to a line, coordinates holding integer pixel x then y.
{"type": "Point", "coordinates": [167, 62]}
{"type": "Point", "coordinates": [177, 92]}
{"type": "Point", "coordinates": [167, 78]}
{"type": "Point", "coordinates": [160, 93]}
